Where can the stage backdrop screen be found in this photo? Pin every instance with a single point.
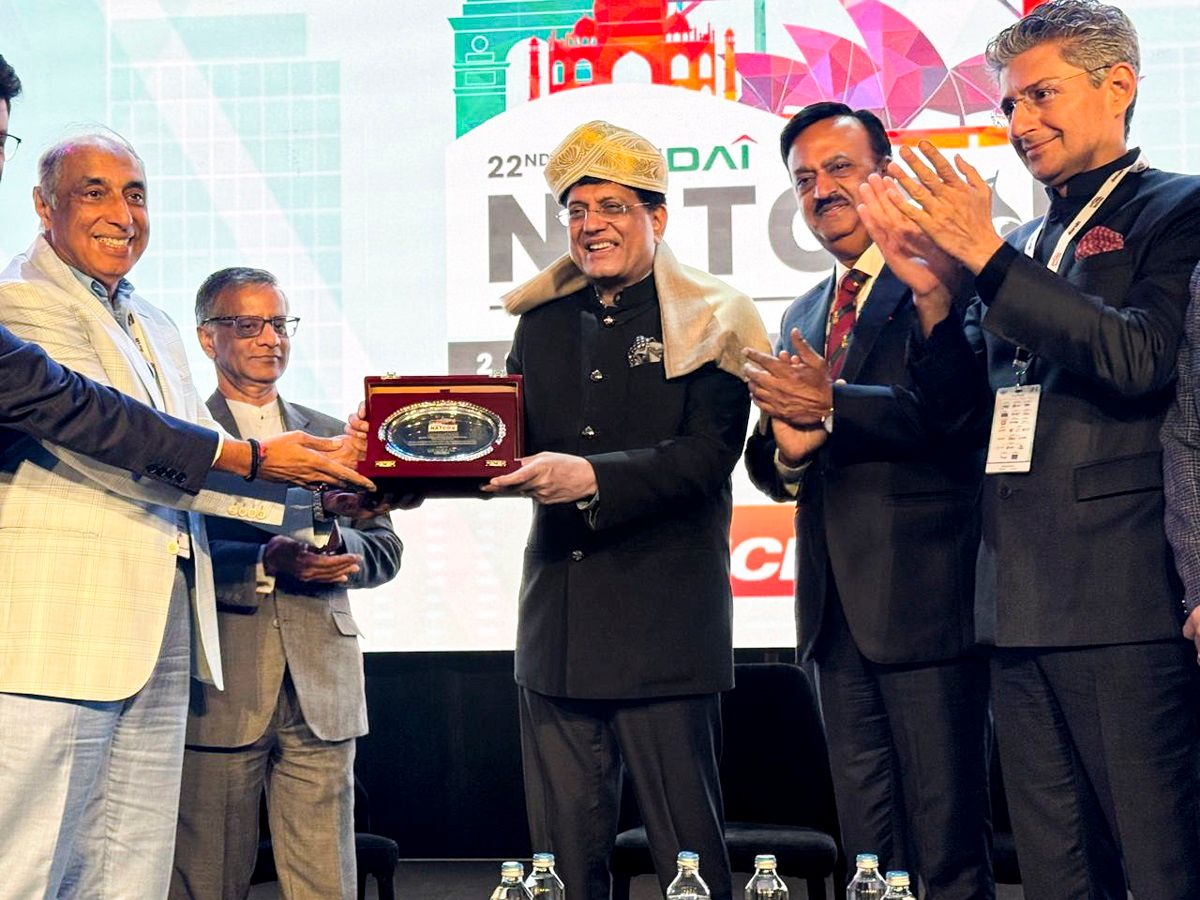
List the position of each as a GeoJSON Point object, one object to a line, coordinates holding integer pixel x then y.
{"type": "Point", "coordinates": [385, 161]}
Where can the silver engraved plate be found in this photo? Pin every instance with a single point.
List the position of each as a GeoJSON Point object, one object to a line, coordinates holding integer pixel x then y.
{"type": "Point", "coordinates": [441, 431]}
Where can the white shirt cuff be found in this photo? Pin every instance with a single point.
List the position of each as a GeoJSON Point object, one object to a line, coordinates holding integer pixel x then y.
{"type": "Point", "coordinates": [791, 476]}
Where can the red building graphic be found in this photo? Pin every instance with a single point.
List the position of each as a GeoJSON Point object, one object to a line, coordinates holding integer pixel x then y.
{"type": "Point", "coordinates": [639, 35]}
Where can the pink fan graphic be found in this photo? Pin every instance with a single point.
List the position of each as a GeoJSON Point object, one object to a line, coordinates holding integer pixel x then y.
{"type": "Point", "coordinates": [895, 72]}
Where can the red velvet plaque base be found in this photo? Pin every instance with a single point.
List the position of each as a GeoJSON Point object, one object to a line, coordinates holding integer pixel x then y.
{"type": "Point", "coordinates": [441, 435]}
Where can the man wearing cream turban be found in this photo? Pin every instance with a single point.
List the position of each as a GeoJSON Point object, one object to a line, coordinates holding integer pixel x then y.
{"type": "Point", "coordinates": [635, 415]}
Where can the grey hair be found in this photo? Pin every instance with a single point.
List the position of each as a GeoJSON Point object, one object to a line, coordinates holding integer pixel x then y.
{"type": "Point", "coordinates": [1093, 35]}
{"type": "Point", "coordinates": [224, 280]}
{"type": "Point", "coordinates": [50, 163]}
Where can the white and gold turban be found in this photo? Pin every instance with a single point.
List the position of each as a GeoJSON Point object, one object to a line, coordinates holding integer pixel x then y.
{"type": "Point", "coordinates": [607, 152]}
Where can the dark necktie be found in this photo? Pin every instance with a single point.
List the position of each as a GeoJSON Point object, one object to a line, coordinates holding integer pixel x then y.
{"type": "Point", "coordinates": [842, 315]}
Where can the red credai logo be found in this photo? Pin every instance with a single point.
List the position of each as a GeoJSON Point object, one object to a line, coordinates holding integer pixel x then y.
{"type": "Point", "coordinates": [762, 551]}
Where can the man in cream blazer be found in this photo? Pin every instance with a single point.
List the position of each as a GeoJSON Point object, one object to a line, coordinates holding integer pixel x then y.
{"type": "Point", "coordinates": [106, 589]}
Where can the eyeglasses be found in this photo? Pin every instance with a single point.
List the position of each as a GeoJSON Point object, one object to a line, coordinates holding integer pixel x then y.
{"type": "Point", "coordinates": [8, 145]}
{"type": "Point", "coordinates": [609, 211]}
{"type": "Point", "coordinates": [252, 326]}
{"type": "Point", "coordinates": [1037, 97]}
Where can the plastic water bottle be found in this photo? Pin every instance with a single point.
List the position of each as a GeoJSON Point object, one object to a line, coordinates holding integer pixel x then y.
{"type": "Point", "coordinates": [510, 886]}
{"type": "Point", "coordinates": [867, 883]}
{"type": "Point", "coordinates": [543, 882]}
{"type": "Point", "coordinates": [766, 883]}
{"type": "Point", "coordinates": [688, 885]}
{"type": "Point", "coordinates": [897, 886]}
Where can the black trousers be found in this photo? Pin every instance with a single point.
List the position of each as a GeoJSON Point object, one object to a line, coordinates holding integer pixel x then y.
{"type": "Point", "coordinates": [909, 747]}
{"type": "Point", "coordinates": [573, 754]}
{"type": "Point", "coordinates": [1100, 750]}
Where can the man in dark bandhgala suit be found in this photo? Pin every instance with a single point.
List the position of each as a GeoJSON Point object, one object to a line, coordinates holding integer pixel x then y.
{"type": "Point", "coordinates": [635, 417]}
{"type": "Point", "coordinates": [1070, 350]}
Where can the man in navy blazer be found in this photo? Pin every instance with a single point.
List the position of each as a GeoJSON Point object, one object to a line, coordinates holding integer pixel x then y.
{"type": "Point", "coordinates": [1075, 331]}
{"type": "Point", "coordinates": [886, 534]}
{"type": "Point", "coordinates": [40, 398]}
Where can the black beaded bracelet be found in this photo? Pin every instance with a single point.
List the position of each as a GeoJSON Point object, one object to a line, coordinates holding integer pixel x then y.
{"type": "Point", "coordinates": [255, 459]}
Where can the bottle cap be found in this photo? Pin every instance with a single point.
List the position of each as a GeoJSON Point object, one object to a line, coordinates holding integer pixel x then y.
{"type": "Point", "coordinates": [543, 860]}
{"type": "Point", "coordinates": [764, 861]}
{"type": "Point", "coordinates": [511, 869]}
{"type": "Point", "coordinates": [867, 861]}
{"type": "Point", "coordinates": [688, 859]}
{"type": "Point", "coordinates": [897, 879]}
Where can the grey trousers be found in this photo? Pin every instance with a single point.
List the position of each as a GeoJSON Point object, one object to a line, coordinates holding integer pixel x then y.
{"type": "Point", "coordinates": [310, 806]}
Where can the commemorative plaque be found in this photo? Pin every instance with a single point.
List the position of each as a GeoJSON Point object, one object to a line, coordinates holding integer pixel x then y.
{"type": "Point", "coordinates": [441, 435]}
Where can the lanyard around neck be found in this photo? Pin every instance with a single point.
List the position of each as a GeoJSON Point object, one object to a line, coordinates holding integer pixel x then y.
{"type": "Point", "coordinates": [1022, 358]}
{"type": "Point", "coordinates": [1084, 215]}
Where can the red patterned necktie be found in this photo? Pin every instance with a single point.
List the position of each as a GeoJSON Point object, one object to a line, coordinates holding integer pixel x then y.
{"type": "Point", "coordinates": [842, 315]}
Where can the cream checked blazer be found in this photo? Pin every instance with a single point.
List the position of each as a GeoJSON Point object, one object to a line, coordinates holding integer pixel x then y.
{"type": "Point", "coordinates": [87, 551]}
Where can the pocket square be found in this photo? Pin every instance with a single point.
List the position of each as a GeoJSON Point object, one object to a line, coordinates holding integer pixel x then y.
{"type": "Point", "coordinates": [645, 350]}
{"type": "Point", "coordinates": [1098, 240]}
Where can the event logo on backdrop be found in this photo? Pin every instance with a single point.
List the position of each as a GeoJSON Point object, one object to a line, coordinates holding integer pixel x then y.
{"type": "Point", "coordinates": [714, 101]}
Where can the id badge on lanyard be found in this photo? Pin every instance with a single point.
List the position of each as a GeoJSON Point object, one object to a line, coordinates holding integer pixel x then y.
{"type": "Point", "coordinates": [1014, 418]}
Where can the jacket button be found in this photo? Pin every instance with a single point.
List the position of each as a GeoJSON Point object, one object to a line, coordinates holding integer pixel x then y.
{"type": "Point", "coordinates": [588, 431]}
{"type": "Point", "coordinates": [596, 375]}
{"type": "Point", "coordinates": [577, 555]}
{"type": "Point", "coordinates": [180, 478]}
{"type": "Point", "coordinates": [173, 547]}
{"type": "Point", "coordinates": [275, 622]}
{"type": "Point", "coordinates": [1004, 492]}
{"type": "Point", "coordinates": [609, 321]}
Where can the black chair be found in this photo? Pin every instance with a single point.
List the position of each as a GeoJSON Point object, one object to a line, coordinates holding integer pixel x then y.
{"type": "Point", "coordinates": [374, 854]}
{"type": "Point", "coordinates": [776, 782]}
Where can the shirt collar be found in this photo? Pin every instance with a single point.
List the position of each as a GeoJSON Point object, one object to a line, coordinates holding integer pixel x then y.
{"type": "Point", "coordinates": [870, 264]}
{"type": "Point", "coordinates": [1082, 187]}
{"type": "Point", "coordinates": [124, 288]}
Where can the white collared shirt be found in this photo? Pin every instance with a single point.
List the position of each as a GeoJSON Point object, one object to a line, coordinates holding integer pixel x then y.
{"type": "Point", "coordinates": [870, 264]}
{"type": "Point", "coordinates": [260, 423]}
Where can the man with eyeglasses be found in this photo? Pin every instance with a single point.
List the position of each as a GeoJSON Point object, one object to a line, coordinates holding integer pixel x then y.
{"type": "Point", "coordinates": [293, 700]}
{"type": "Point", "coordinates": [635, 414]}
{"type": "Point", "coordinates": [10, 88]}
{"type": "Point", "coordinates": [1072, 343]}
{"type": "Point", "coordinates": [105, 579]}
{"type": "Point", "coordinates": [38, 397]}
{"type": "Point", "coordinates": [903, 686]}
